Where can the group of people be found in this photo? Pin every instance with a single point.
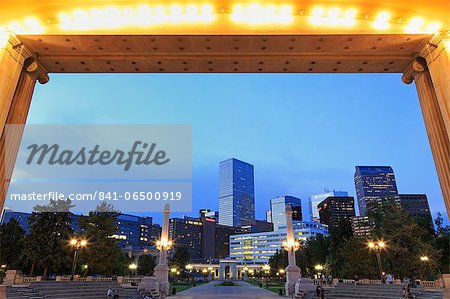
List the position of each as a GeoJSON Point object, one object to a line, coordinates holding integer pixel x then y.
{"type": "Point", "coordinates": [387, 278]}
{"type": "Point", "coordinates": [326, 279]}
{"type": "Point", "coordinates": [112, 294]}
{"type": "Point", "coordinates": [320, 292]}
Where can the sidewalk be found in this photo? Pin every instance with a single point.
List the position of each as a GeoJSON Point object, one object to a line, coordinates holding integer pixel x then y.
{"type": "Point", "coordinates": [212, 290]}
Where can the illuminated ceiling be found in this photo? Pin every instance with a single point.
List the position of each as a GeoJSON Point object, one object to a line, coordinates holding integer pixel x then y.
{"type": "Point", "coordinates": [224, 36]}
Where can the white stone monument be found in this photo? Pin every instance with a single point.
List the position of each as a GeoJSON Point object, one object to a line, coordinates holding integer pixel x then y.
{"type": "Point", "coordinates": [162, 269]}
{"type": "Point", "coordinates": [292, 271]}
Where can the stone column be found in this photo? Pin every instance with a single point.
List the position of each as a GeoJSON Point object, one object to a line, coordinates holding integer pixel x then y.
{"type": "Point", "coordinates": [15, 100]}
{"type": "Point", "coordinates": [162, 269]}
{"type": "Point", "coordinates": [432, 78]}
{"type": "Point", "coordinates": [292, 271]}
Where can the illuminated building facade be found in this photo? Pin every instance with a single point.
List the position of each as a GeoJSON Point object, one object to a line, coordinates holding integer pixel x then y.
{"type": "Point", "coordinates": [236, 193]}
{"type": "Point", "coordinates": [278, 207]}
{"type": "Point", "coordinates": [372, 183]}
{"type": "Point", "coordinates": [336, 208]}
{"type": "Point", "coordinates": [316, 199]}
{"type": "Point", "coordinates": [362, 225]}
{"type": "Point", "coordinates": [257, 248]}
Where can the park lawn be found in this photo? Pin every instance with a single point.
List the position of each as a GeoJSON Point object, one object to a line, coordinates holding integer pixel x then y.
{"type": "Point", "coordinates": [182, 286]}
{"type": "Point", "coordinates": [273, 285]}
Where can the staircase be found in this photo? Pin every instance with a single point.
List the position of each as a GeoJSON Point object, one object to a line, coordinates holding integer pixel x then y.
{"type": "Point", "coordinates": [70, 290]}
{"type": "Point", "coordinates": [376, 291]}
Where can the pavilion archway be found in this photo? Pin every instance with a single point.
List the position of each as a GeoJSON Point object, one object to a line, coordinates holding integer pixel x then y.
{"type": "Point", "coordinates": [411, 38]}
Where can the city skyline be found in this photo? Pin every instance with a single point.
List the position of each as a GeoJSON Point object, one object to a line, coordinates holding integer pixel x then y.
{"type": "Point", "coordinates": [302, 155]}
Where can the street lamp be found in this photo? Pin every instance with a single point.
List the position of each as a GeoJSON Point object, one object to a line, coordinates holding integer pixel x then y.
{"type": "Point", "coordinates": [189, 267]}
{"type": "Point", "coordinates": [132, 268]}
{"type": "Point", "coordinates": [163, 244]}
{"type": "Point", "coordinates": [77, 245]}
{"type": "Point", "coordinates": [319, 269]}
{"type": "Point", "coordinates": [424, 258]}
{"type": "Point", "coordinates": [266, 269]}
{"type": "Point", "coordinates": [377, 246]}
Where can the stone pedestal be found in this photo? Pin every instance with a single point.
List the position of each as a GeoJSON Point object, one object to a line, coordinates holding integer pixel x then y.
{"type": "Point", "coordinates": [446, 285]}
{"type": "Point", "coordinates": [305, 285]}
{"type": "Point", "coordinates": [148, 283]}
{"type": "Point", "coordinates": [161, 273]}
{"type": "Point", "coordinates": [13, 277]}
{"type": "Point", "coordinates": [292, 277]}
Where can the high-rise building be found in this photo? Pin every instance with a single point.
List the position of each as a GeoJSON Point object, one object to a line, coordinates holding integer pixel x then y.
{"type": "Point", "coordinates": [269, 216]}
{"type": "Point", "coordinates": [256, 226]}
{"type": "Point", "coordinates": [236, 192]}
{"type": "Point", "coordinates": [132, 231]}
{"type": "Point", "coordinates": [415, 204]}
{"type": "Point", "coordinates": [315, 199]}
{"type": "Point", "coordinates": [203, 237]}
{"type": "Point", "coordinates": [278, 208]}
{"type": "Point", "coordinates": [373, 183]}
{"type": "Point", "coordinates": [336, 208]}
{"type": "Point", "coordinates": [257, 248]}
{"type": "Point", "coordinates": [188, 233]}
{"type": "Point", "coordinates": [362, 226]}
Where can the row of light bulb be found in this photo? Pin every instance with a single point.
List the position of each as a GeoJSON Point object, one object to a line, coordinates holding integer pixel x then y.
{"type": "Point", "coordinates": [250, 14]}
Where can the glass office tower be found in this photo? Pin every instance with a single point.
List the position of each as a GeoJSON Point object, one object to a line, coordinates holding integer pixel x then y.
{"type": "Point", "coordinates": [316, 199]}
{"type": "Point", "coordinates": [373, 183]}
{"type": "Point", "coordinates": [278, 208]}
{"type": "Point", "coordinates": [236, 193]}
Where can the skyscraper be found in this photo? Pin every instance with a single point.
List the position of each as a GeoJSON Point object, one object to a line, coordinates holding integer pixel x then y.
{"type": "Point", "coordinates": [278, 208]}
{"type": "Point", "coordinates": [372, 183]}
{"type": "Point", "coordinates": [336, 208]}
{"type": "Point", "coordinates": [315, 200]}
{"type": "Point", "coordinates": [236, 193]}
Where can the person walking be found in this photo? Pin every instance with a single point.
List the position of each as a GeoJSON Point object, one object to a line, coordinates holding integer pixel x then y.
{"type": "Point", "coordinates": [109, 293]}
{"type": "Point", "coordinates": [322, 293]}
{"type": "Point", "coordinates": [389, 278]}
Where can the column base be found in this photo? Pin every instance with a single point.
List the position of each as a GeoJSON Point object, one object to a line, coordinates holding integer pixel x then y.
{"type": "Point", "coordinates": [161, 273]}
{"type": "Point", "coordinates": [292, 276]}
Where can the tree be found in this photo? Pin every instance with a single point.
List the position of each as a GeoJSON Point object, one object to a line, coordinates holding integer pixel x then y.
{"type": "Point", "coordinates": [46, 246]}
{"type": "Point", "coordinates": [11, 243]}
{"type": "Point", "coordinates": [405, 243]}
{"type": "Point", "coordinates": [443, 243]}
{"type": "Point", "coordinates": [180, 257]}
{"type": "Point", "coordinates": [146, 264]}
{"type": "Point", "coordinates": [339, 235]}
{"type": "Point", "coordinates": [353, 258]}
{"type": "Point", "coordinates": [279, 260]}
{"type": "Point", "coordinates": [315, 251]}
{"type": "Point", "coordinates": [103, 254]}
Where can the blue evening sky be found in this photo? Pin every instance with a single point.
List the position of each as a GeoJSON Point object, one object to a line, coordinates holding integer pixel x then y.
{"type": "Point", "coordinates": [303, 133]}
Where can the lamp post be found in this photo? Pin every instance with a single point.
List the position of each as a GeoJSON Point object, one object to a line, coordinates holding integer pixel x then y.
{"type": "Point", "coordinates": [424, 259]}
{"type": "Point", "coordinates": [189, 267]}
{"type": "Point", "coordinates": [132, 268]}
{"type": "Point", "coordinates": [319, 269]}
{"type": "Point", "coordinates": [77, 245]}
{"type": "Point", "coordinates": [266, 269]}
{"type": "Point", "coordinates": [377, 246]}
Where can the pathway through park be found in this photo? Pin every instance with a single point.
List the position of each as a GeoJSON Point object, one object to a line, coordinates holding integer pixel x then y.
{"type": "Point", "coordinates": [213, 290]}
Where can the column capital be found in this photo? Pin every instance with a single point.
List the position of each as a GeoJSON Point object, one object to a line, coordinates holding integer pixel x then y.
{"type": "Point", "coordinates": [34, 68]}
{"type": "Point", "coordinates": [437, 43]}
{"type": "Point", "coordinates": [417, 66]}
